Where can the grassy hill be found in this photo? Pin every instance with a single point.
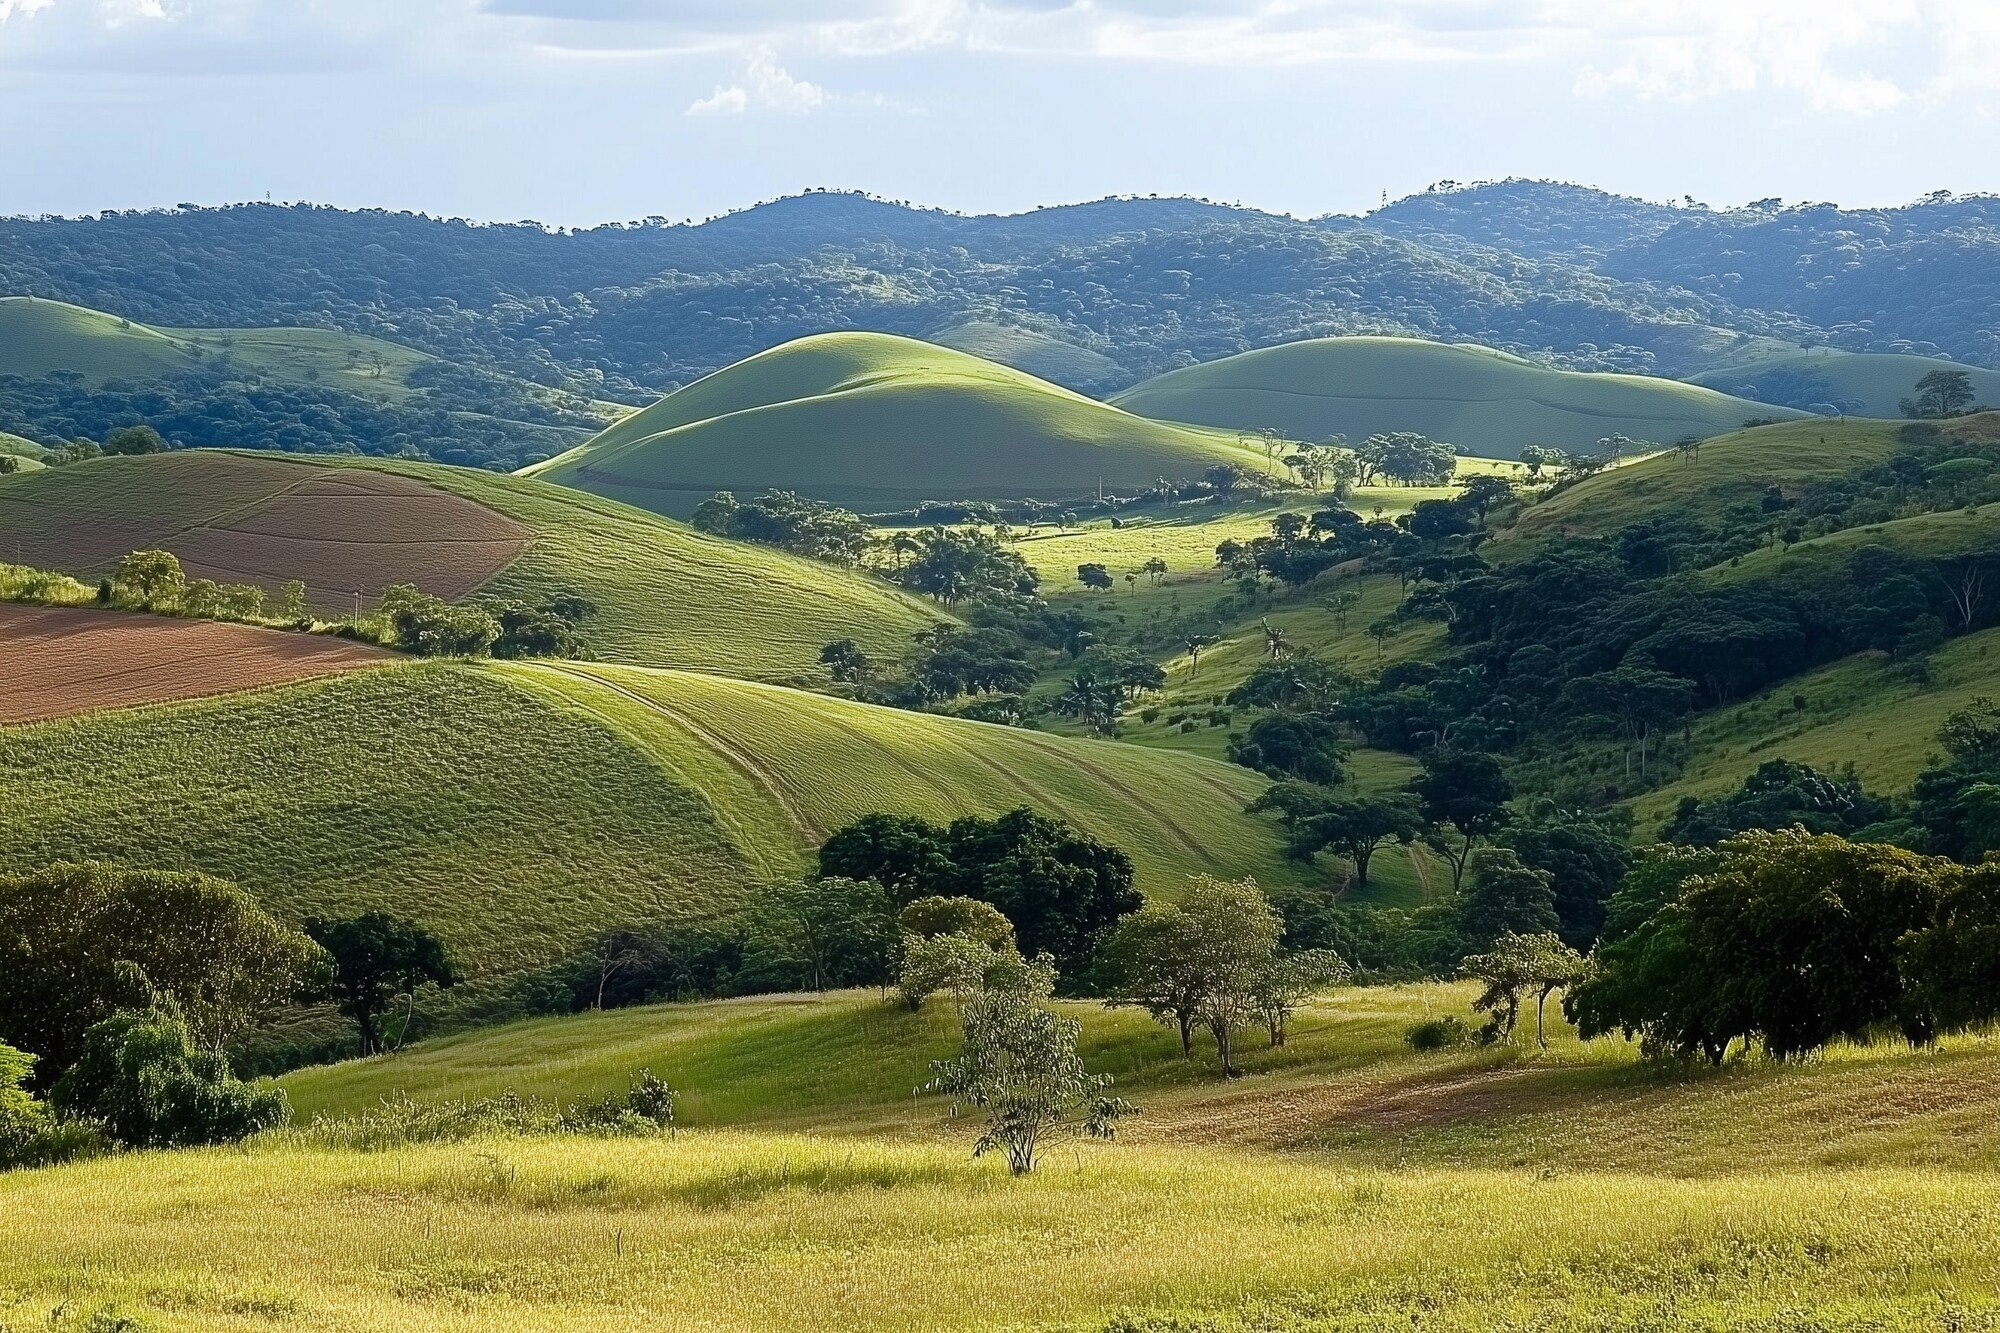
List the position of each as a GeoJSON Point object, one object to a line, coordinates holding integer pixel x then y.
{"type": "Point", "coordinates": [1486, 402]}
{"type": "Point", "coordinates": [1730, 470]}
{"type": "Point", "coordinates": [520, 808]}
{"type": "Point", "coordinates": [38, 337]}
{"type": "Point", "coordinates": [1036, 353]}
{"type": "Point", "coordinates": [876, 422]}
{"type": "Point", "coordinates": [1867, 384]}
{"type": "Point", "coordinates": [1861, 710]}
{"type": "Point", "coordinates": [665, 594]}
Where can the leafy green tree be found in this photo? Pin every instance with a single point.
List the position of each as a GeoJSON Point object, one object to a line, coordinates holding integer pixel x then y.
{"type": "Point", "coordinates": [935, 915]}
{"type": "Point", "coordinates": [141, 439]}
{"type": "Point", "coordinates": [292, 600]}
{"type": "Point", "coordinates": [824, 932]}
{"type": "Point", "coordinates": [1792, 939]}
{"type": "Point", "coordinates": [379, 959]}
{"type": "Point", "coordinates": [1586, 857]}
{"type": "Point", "coordinates": [1354, 828]}
{"type": "Point", "coordinates": [79, 941]}
{"type": "Point", "coordinates": [1290, 979]}
{"type": "Point", "coordinates": [1484, 491]}
{"type": "Point", "coordinates": [1780, 794]}
{"type": "Point", "coordinates": [1517, 966]}
{"type": "Point", "coordinates": [532, 631]}
{"type": "Point", "coordinates": [1505, 897]}
{"type": "Point", "coordinates": [150, 576]}
{"type": "Point", "coordinates": [1094, 576]}
{"type": "Point", "coordinates": [906, 854]}
{"type": "Point", "coordinates": [432, 627]}
{"type": "Point", "coordinates": [1633, 700]}
{"type": "Point", "coordinates": [844, 661]}
{"type": "Point", "coordinates": [1306, 747]}
{"type": "Point", "coordinates": [141, 1074]}
{"type": "Point", "coordinates": [1199, 959]}
{"type": "Point", "coordinates": [949, 962]}
{"type": "Point", "coordinates": [1940, 393]}
{"type": "Point", "coordinates": [29, 1135]}
{"type": "Point", "coordinates": [1950, 966]}
{"type": "Point", "coordinates": [203, 598]}
{"type": "Point", "coordinates": [1019, 1065]}
{"type": "Point", "coordinates": [1462, 791]}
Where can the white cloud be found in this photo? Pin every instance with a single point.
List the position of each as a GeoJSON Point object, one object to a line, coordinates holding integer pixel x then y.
{"type": "Point", "coordinates": [765, 86]}
{"type": "Point", "coordinates": [22, 8]}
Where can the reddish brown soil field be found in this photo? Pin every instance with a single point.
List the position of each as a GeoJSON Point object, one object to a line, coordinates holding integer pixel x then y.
{"type": "Point", "coordinates": [242, 519]}
{"type": "Point", "coordinates": [55, 662]}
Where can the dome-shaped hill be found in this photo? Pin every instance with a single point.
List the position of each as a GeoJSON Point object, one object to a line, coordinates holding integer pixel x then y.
{"type": "Point", "coordinates": [38, 336]}
{"type": "Point", "coordinates": [879, 422]}
{"type": "Point", "coordinates": [1484, 401]}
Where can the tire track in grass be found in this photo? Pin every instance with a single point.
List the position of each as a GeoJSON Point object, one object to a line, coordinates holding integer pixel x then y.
{"type": "Point", "coordinates": [809, 833]}
{"type": "Point", "coordinates": [1117, 784]}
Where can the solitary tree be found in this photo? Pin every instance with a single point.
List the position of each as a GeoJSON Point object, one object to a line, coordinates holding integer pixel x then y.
{"type": "Point", "coordinates": [1094, 576]}
{"type": "Point", "coordinates": [1019, 1065]}
{"type": "Point", "coordinates": [379, 959]}
{"type": "Point", "coordinates": [1940, 393]}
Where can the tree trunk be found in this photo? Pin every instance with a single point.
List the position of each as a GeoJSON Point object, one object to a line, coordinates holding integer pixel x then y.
{"type": "Point", "coordinates": [1186, 1021]}
{"type": "Point", "coordinates": [1362, 855]}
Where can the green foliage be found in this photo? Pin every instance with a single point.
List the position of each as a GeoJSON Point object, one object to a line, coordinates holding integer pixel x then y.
{"type": "Point", "coordinates": [29, 1135]}
{"type": "Point", "coordinates": [141, 1074]}
{"type": "Point", "coordinates": [1355, 828]}
{"type": "Point", "coordinates": [1019, 1066]}
{"type": "Point", "coordinates": [1517, 966]}
{"type": "Point", "coordinates": [378, 960]}
{"type": "Point", "coordinates": [787, 521]}
{"type": "Point", "coordinates": [432, 627]}
{"type": "Point", "coordinates": [1505, 897]}
{"type": "Point", "coordinates": [1305, 747]}
{"type": "Point", "coordinates": [817, 933]}
{"type": "Point", "coordinates": [1791, 939]}
{"type": "Point", "coordinates": [150, 576]}
{"type": "Point", "coordinates": [930, 917]}
{"type": "Point", "coordinates": [1438, 1034]}
{"type": "Point", "coordinates": [80, 940]}
{"type": "Point", "coordinates": [1780, 794]}
{"type": "Point", "coordinates": [645, 1109]}
{"type": "Point", "coordinates": [1060, 889]}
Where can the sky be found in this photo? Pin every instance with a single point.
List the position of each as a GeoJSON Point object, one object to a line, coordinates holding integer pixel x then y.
{"type": "Point", "coordinates": [581, 111]}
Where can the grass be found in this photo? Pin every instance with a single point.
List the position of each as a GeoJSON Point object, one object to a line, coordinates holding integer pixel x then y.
{"type": "Point", "coordinates": [670, 596]}
{"type": "Point", "coordinates": [424, 790]}
{"type": "Point", "coordinates": [1870, 384]}
{"type": "Point", "coordinates": [1944, 534]}
{"type": "Point", "coordinates": [519, 809]}
{"type": "Point", "coordinates": [880, 422]}
{"type": "Point", "coordinates": [1730, 470]}
{"type": "Point", "coordinates": [735, 1231]}
{"type": "Point", "coordinates": [1485, 401]}
{"type": "Point", "coordinates": [665, 594]}
{"type": "Point", "coordinates": [1861, 710]}
{"type": "Point", "coordinates": [784, 768]}
{"type": "Point", "coordinates": [1345, 1183]}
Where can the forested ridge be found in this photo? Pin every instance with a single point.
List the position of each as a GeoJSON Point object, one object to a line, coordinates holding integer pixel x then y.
{"type": "Point", "coordinates": [1560, 273]}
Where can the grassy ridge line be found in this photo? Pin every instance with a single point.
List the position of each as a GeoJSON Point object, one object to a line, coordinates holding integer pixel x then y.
{"type": "Point", "coordinates": [790, 767]}
{"type": "Point", "coordinates": [1730, 470]}
{"type": "Point", "coordinates": [1873, 383]}
{"type": "Point", "coordinates": [878, 421]}
{"type": "Point", "coordinates": [1486, 401]}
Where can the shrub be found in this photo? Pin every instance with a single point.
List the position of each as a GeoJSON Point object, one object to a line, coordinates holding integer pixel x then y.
{"type": "Point", "coordinates": [141, 1074]}
{"type": "Point", "coordinates": [646, 1108]}
{"type": "Point", "coordinates": [1438, 1034]}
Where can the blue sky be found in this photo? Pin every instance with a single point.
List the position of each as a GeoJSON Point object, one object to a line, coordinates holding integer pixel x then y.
{"type": "Point", "coordinates": [577, 111]}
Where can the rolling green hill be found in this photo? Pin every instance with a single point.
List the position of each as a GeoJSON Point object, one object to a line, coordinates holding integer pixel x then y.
{"type": "Point", "coordinates": [520, 808]}
{"type": "Point", "coordinates": [1484, 401]}
{"type": "Point", "coordinates": [39, 337]}
{"type": "Point", "coordinates": [876, 422]}
{"type": "Point", "coordinates": [665, 595]}
{"type": "Point", "coordinates": [1729, 470]}
{"type": "Point", "coordinates": [1865, 384]}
